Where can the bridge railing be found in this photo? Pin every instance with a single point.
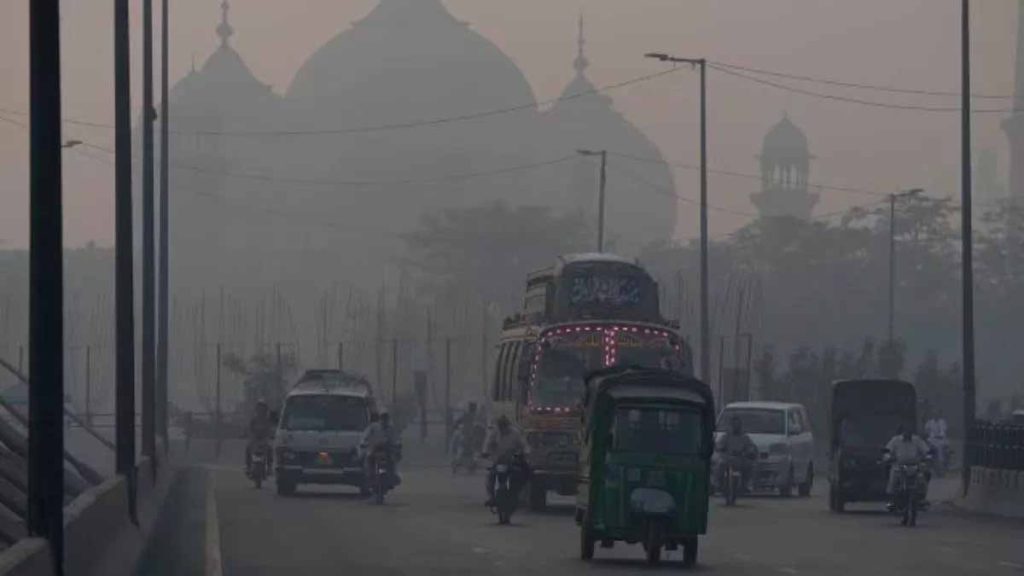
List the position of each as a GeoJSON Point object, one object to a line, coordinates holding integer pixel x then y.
{"type": "Point", "coordinates": [997, 446]}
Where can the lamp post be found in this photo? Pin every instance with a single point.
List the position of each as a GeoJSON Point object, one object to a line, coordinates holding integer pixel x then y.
{"type": "Point", "coordinates": [892, 254]}
{"type": "Point", "coordinates": [705, 327]}
{"type": "Point", "coordinates": [967, 236]}
{"type": "Point", "coordinates": [600, 194]}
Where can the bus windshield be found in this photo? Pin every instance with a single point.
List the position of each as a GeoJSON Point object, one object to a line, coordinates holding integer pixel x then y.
{"type": "Point", "coordinates": [564, 363]}
{"type": "Point", "coordinates": [568, 356]}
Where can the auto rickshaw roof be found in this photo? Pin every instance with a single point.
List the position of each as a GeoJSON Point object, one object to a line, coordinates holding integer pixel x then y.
{"type": "Point", "coordinates": [648, 384]}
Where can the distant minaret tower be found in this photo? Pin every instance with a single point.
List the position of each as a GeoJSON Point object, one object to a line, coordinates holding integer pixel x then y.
{"type": "Point", "coordinates": [224, 30]}
{"type": "Point", "coordinates": [1014, 125]}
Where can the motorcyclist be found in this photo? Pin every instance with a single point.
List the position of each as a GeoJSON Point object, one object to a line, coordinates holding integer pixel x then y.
{"type": "Point", "coordinates": [380, 435]}
{"type": "Point", "coordinates": [906, 447]}
{"type": "Point", "coordinates": [935, 429]}
{"type": "Point", "coordinates": [503, 442]}
{"type": "Point", "coordinates": [736, 448]}
{"type": "Point", "coordinates": [466, 439]}
{"type": "Point", "coordinates": [261, 429]}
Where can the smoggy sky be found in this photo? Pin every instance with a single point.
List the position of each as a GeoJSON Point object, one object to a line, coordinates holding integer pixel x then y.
{"type": "Point", "coordinates": [906, 43]}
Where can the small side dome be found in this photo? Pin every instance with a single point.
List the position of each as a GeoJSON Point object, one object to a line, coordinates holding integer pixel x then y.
{"type": "Point", "coordinates": [786, 140]}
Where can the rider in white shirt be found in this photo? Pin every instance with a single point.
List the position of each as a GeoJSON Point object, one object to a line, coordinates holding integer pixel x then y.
{"type": "Point", "coordinates": [905, 448]}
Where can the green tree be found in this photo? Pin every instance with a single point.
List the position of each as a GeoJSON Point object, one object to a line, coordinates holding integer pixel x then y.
{"type": "Point", "coordinates": [488, 250]}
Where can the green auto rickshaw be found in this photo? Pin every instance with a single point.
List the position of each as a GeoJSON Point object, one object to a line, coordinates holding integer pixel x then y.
{"type": "Point", "coordinates": [645, 460]}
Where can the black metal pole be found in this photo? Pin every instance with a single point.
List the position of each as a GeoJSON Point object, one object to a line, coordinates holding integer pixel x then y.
{"type": "Point", "coordinates": [88, 385]}
{"type": "Point", "coordinates": [447, 391]}
{"type": "Point", "coordinates": [892, 266]}
{"type": "Point", "coordinates": [705, 321]}
{"type": "Point", "coordinates": [148, 264]}
{"type": "Point", "coordinates": [46, 279]}
{"type": "Point", "coordinates": [394, 373]}
{"type": "Point", "coordinates": [124, 283]}
{"type": "Point", "coordinates": [341, 356]}
{"type": "Point", "coordinates": [966, 224]}
{"type": "Point", "coordinates": [218, 418]}
{"type": "Point", "coordinates": [601, 200]}
{"type": "Point", "coordinates": [164, 264]}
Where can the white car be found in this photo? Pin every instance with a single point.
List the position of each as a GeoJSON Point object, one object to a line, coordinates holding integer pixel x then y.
{"type": "Point", "coordinates": [318, 435]}
{"type": "Point", "coordinates": [784, 440]}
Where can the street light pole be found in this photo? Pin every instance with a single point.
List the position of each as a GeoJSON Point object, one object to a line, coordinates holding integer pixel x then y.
{"type": "Point", "coordinates": [124, 290]}
{"type": "Point", "coordinates": [705, 320]}
{"type": "Point", "coordinates": [46, 280]}
{"type": "Point", "coordinates": [164, 265]}
{"type": "Point", "coordinates": [892, 256]}
{"type": "Point", "coordinates": [966, 224]}
{"type": "Point", "coordinates": [600, 193]}
{"type": "Point", "coordinates": [148, 268]}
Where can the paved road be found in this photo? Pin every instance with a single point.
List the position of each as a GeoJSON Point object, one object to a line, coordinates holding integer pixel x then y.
{"type": "Point", "coordinates": [434, 524]}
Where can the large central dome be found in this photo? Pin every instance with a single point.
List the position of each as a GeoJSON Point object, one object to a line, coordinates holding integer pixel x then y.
{"type": "Point", "coordinates": [408, 60]}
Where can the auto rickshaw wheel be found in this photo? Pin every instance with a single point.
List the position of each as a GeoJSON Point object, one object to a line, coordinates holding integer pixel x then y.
{"type": "Point", "coordinates": [654, 542]}
{"type": "Point", "coordinates": [786, 489]}
{"type": "Point", "coordinates": [808, 484]}
{"type": "Point", "coordinates": [586, 539]}
{"type": "Point", "coordinates": [538, 497]}
{"type": "Point", "coordinates": [690, 551]}
{"type": "Point", "coordinates": [835, 500]}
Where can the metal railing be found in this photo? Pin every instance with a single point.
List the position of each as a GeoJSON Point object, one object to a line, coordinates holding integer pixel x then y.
{"type": "Point", "coordinates": [994, 445]}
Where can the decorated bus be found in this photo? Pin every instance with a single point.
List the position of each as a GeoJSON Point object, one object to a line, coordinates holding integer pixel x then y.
{"type": "Point", "coordinates": [587, 312]}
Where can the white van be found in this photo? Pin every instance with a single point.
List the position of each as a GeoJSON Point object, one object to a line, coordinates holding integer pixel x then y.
{"type": "Point", "coordinates": [318, 434]}
{"type": "Point", "coordinates": [785, 444]}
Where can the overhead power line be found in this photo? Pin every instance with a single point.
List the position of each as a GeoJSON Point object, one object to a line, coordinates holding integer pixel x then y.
{"type": "Point", "coordinates": [850, 99]}
{"type": "Point", "coordinates": [746, 175]}
{"type": "Point", "coordinates": [858, 85]}
{"type": "Point", "coordinates": [397, 125]}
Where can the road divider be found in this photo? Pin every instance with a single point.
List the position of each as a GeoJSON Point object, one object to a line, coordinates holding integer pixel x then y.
{"type": "Point", "coordinates": [995, 491]}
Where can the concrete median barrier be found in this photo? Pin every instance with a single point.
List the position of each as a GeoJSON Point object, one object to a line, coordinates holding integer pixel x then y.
{"type": "Point", "coordinates": [100, 535]}
{"type": "Point", "coordinates": [995, 491]}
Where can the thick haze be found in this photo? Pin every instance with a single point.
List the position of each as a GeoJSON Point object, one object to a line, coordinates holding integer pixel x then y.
{"type": "Point", "coordinates": [909, 43]}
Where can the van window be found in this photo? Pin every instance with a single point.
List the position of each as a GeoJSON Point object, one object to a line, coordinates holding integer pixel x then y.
{"type": "Point", "coordinates": [325, 413]}
{"type": "Point", "coordinates": [795, 424]}
{"type": "Point", "coordinates": [496, 392]}
{"type": "Point", "coordinates": [754, 420]}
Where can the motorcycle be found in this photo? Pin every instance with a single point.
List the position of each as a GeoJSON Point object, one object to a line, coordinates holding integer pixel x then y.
{"type": "Point", "coordinates": [509, 478]}
{"type": "Point", "coordinates": [259, 465]}
{"type": "Point", "coordinates": [732, 483]}
{"type": "Point", "coordinates": [942, 455]}
{"type": "Point", "coordinates": [909, 494]}
{"type": "Point", "coordinates": [381, 470]}
{"type": "Point", "coordinates": [465, 445]}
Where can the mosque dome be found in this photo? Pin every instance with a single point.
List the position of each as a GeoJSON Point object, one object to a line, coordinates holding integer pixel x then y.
{"type": "Point", "coordinates": [785, 140]}
{"type": "Point", "coordinates": [407, 61]}
{"type": "Point", "coordinates": [641, 205]}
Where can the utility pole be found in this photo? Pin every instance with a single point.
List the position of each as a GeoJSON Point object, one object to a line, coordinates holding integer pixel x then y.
{"type": "Point", "coordinates": [966, 224]}
{"type": "Point", "coordinates": [341, 356]}
{"type": "Point", "coordinates": [148, 268]}
{"type": "Point", "coordinates": [394, 372]}
{"type": "Point", "coordinates": [164, 265]}
{"type": "Point", "coordinates": [602, 182]}
{"type": "Point", "coordinates": [46, 285]}
{"type": "Point", "coordinates": [892, 257]}
{"type": "Point", "coordinates": [88, 385]}
{"type": "Point", "coordinates": [218, 418]}
{"type": "Point", "coordinates": [124, 290]}
{"type": "Point", "coordinates": [705, 321]}
{"type": "Point", "coordinates": [447, 391]}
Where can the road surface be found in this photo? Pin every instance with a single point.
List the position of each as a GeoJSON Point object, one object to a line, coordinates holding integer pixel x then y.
{"type": "Point", "coordinates": [435, 524]}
